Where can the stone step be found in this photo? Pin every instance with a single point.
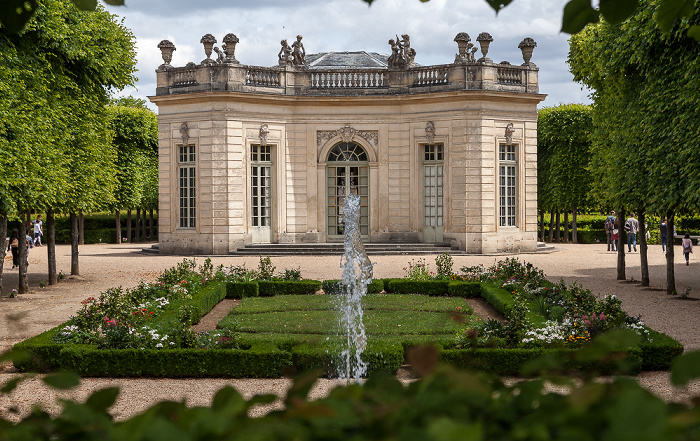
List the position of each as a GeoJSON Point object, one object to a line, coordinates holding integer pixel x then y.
{"type": "Point", "coordinates": [320, 249]}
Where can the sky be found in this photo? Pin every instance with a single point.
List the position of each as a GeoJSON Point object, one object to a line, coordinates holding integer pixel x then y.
{"type": "Point", "coordinates": [350, 25]}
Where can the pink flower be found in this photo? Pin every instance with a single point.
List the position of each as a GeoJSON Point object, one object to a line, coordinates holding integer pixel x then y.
{"type": "Point", "coordinates": [602, 316]}
{"type": "Point", "coordinates": [585, 317]}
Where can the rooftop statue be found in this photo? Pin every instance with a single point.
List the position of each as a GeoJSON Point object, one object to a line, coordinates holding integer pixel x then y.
{"type": "Point", "coordinates": [298, 52]}
{"type": "Point", "coordinates": [402, 54]}
{"type": "Point", "coordinates": [285, 54]}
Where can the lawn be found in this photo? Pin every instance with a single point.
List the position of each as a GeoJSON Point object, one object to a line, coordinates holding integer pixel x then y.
{"type": "Point", "coordinates": [385, 315]}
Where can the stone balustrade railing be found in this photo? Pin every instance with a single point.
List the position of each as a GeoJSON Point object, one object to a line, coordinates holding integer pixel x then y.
{"type": "Point", "coordinates": [347, 79]}
{"type": "Point", "coordinates": [290, 80]}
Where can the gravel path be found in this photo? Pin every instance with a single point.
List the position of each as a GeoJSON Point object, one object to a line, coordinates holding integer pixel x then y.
{"type": "Point", "coordinates": [108, 265]}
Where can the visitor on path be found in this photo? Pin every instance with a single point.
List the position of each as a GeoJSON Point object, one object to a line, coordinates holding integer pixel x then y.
{"type": "Point", "coordinates": [663, 233]}
{"type": "Point", "coordinates": [14, 247]}
{"type": "Point", "coordinates": [38, 231]}
{"type": "Point", "coordinates": [631, 228]}
{"type": "Point", "coordinates": [609, 224]}
{"type": "Point", "coordinates": [615, 236]}
{"type": "Point", "coordinates": [687, 247]}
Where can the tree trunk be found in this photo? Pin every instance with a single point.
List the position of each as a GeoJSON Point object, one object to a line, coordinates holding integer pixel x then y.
{"type": "Point", "coordinates": [670, 269]}
{"type": "Point", "coordinates": [574, 227]}
{"type": "Point", "coordinates": [81, 228]}
{"type": "Point", "coordinates": [23, 284]}
{"type": "Point", "coordinates": [3, 251]}
{"type": "Point", "coordinates": [566, 226]}
{"type": "Point", "coordinates": [118, 219]}
{"type": "Point", "coordinates": [29, 220]}
{"type": "Point", "coordinates": [137, 228]}
{"type": "Point", "coordinates": [51, 245]}
{"type": "Point", "coordinates": [620, 247]}
{"type": "Point", "coordinates": [643, 248]}
{"type": "Point", "coordinates": [150, 223]}
{"type": "Point", "coordinates": [74, 267]}
{"type": "Point", "coordinates": [557, 232]}
{"type": "Point", "coordinates": [143, 225]}
{"type": "Point", "coordinates": [128, 225]}
{"type": "Point", "coordinates": [551, 226]}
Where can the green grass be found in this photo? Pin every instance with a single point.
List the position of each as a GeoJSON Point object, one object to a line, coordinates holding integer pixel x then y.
{"type": "Point", "coordinates": [387, 315]}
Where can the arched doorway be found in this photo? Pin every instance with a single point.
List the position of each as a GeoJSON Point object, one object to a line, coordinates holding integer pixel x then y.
{"type": "Point", "coordinates": [347, 172]}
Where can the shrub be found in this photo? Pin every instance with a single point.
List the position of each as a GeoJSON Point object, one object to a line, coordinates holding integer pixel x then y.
{"type": "Point", "coordinates": [429, 287]}
{"type": "Point", "coordinates": [444, 263]}
{"type": "Point", "coordinates": [269, 288]}
{"type": "Point", "coordinates": [464, 289]}
{"type": "Point", "coordinates": [239, 290]}
{"type": "Point", "coordinates": [334, 286]}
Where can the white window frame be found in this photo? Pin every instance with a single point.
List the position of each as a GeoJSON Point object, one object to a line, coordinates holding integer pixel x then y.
{"type": "Point", "coordinates": [507, 185]}
{"type": "Point", "coordinates": [187, 186]}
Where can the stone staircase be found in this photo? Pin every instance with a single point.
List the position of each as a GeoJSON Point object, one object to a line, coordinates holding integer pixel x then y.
{"type": "Point", "coordinates": [336, 249]}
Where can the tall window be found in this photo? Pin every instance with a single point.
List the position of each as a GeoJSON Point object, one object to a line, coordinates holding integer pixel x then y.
{"type": "Point", "coordinates": [507, 191]}
{"type": "Point", "coordinates": [432, 185]}
{"type": "Point", "coordinates": [187, 186]}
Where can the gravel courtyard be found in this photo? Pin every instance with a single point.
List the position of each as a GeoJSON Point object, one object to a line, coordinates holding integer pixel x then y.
{"type": "Point", "coordinates": [107, 265]}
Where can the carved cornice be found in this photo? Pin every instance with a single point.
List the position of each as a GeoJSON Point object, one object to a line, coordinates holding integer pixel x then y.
{"type": "Point", "coordinates": [347, 134]}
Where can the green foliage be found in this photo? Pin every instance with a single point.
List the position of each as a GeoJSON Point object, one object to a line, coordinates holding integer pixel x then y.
{"type": "Point", "coordinates": [240, 290]}
{"type": "Point", "coordinates": [645, 81]}
{"type": "Point", "coordinates": [417, 270]}
{"type": "Point", "coordinates": [563, 155]}
{"type": "Point", "coordinates": [411, 286]}
{"type": "Point", "coordinates": [277, 286]}
{"type": "Point", "coordinates": [55, 79]}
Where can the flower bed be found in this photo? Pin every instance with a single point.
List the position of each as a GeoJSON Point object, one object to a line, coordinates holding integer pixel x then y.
{"type": "Point", "coordinates": [120, 333]}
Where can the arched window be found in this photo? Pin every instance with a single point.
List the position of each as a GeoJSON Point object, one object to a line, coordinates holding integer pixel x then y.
{"type": "Point", "coordinates": [347, 151]}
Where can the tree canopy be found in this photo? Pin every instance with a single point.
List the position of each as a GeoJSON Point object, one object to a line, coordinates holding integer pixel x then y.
{"type": "Point", "coordinates": [563, 154]}
{"type": "Point", "coordinates": [14, 14]}
{"type": "Point", "coordinates": [55, 78]}
{"type": "Point", "coordinates": [646, 85]}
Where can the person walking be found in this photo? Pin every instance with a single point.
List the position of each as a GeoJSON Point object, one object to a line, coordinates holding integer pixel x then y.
{"type": "Point", "coordinates": [14, 247]}
{"type": "Point", "coordinates": [663, 233]}
{"type": "Point", "coordinates": [609, 224]}
{"type": "Point", "coordinates": [615, 236]}
{"type": "Point", "coordinates": [631, 228]}
{"type": "Point", "coordinates": [687, 244]}
{"type": "Point", "coordinates": [38, 231]}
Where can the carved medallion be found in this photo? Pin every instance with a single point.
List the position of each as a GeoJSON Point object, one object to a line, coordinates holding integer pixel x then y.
{"type": "Point", "coordinates": [264, 131]}
{"type": "Point", "coordinates": [184, 133]}
{"type": "Point", "coordinates": [430, 132]}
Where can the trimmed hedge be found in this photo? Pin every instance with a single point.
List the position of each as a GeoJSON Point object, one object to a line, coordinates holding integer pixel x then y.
{"type": "Point", "coordinates": [464, 289]}
{"type": "Point", "coordinates": [259, 361]}
{"type": "Point", "coordinates": [429, 287]}
{"type": "Point", "coordinates": [658, 354]}
{"type": "Point", "coordinates": [270, 288]}
{"type": "Point", "coordinates": [333, 286]}
{"type": "Point", "coordinates": [510, 361]}
{"type": "Point", "coordinates": [498, 297]}
{"type": "Point", "coordinates": [379, 356]}
{"type": "Point", "coordinates": [241, 290]}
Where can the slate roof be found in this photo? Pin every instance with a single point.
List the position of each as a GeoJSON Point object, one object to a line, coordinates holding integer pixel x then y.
{"type": "Point", "coordinates": [346, 60]}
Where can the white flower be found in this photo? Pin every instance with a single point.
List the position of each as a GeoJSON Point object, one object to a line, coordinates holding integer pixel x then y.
{"type": "Point", "coordinates": [159, 345]}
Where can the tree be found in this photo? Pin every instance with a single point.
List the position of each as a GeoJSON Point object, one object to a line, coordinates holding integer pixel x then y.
{"type": "Point", "coordinates": [14, 14]}
{"type": "Point", "coordinates": [135, 138]}
{"type": "Point", "coordinates": [563, 155]}
{"type": "Point", "coordinates": [55, 79]}
{"type": "Point", "coordinates": [646, 86]}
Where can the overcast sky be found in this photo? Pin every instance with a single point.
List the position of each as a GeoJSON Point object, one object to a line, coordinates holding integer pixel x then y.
{"type": "Point", "coordinates": [351, 25]}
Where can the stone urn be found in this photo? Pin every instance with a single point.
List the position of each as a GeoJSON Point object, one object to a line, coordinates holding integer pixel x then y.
{"type": "Point", "coordinates": [208, 41]}
{"type": "Point", "coordinates": [526, 47]}
{"type": "Point", "coordinates": [484, 40]}
{"type": "Point", "coordinates": [464, 43]}
{"type": "Point", "coordinates": [229, 47]}
{"type": "Point", "coordinates": [166, 51]}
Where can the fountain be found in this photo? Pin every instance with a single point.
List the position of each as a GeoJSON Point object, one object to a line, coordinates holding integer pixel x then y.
{"type": "Point", "coordinates": [357, 273]}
